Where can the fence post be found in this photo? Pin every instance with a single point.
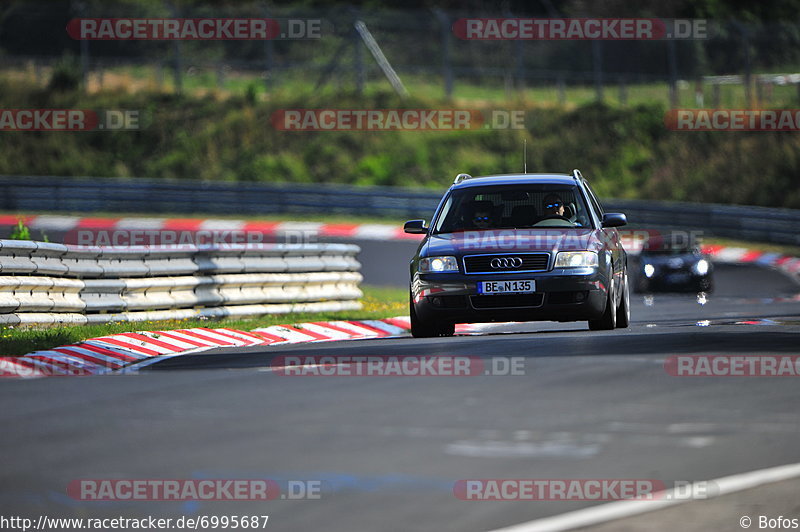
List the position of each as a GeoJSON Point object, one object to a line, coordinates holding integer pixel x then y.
{"type": "Point", "coordinates": [269, 54]}
{"type": "Point", "coordinates": [562, 91]}
{"type": "Point", "coordinates": [80, 10]}
{"type": "Point", "coordinates": [759, 92]}
{"type": "Point", "coordinates": [700, 64]}
{"type": "Point", "coordinates": [160, 75]}
{"type": "Point", "coordinates": [519, 65]}
{"type": "Point", "coordinates": [447, 67]}
{"type": "Point", "coordinates": [672, 62]}
{"type": "Point", "coordinates": [748, 74]}
{"type": "Point", "coordinates": [372, 45]}
{"type": "Point", "coordinates": [177, 68]}
{"type": "Point", "coordinates": [597, 54]}
{"type": "Point", "coordinates": [85, 64]}
{"type": "Point", "coordinates": [699, 98]}
{"type": "Point", "coordinates": [623, 92]}
{"type": "Point", "coordinates": [359, 61]}
{"type": "Point", "coordinates": [220, 76]}
{"type": "Point", "coordinates": [176, 47]}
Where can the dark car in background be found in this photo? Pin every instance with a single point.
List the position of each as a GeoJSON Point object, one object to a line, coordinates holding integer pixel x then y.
{"type": "Point", "coordinates": [674, 269]}
{"type": "Point", "coordinates": [524, 247]}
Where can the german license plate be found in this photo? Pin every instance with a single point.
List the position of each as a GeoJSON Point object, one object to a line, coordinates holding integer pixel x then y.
{"type": "Point", "coordinates": [678, 278]}
{"type": "Point", "coordinates": [506, 287]}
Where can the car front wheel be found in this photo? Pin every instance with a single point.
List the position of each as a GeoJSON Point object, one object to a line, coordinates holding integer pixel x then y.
{"type": "Point", "coordinates": [428, 329]}
{"type": "Point", "coordinates": [608, 320]}
{"type": "Point", "coordinates": [624, 310]}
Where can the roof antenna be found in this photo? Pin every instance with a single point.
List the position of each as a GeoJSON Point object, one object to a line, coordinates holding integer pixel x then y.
{"type": "Point", "coordinates": [525, 155]}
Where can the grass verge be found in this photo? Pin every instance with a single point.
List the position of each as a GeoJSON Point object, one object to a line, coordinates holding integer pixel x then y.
{"type": "Point", "coordinates": [377, 303]}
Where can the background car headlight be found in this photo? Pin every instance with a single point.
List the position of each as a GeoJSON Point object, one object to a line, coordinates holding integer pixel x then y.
{"type": "Point", "coordinates": [576, 259]}
{"type": "Point", "coordinates": [701, 267]}
{"type": "Point", "coordinates": [438, 264]}
{"type": "Point", "coordinates": [649, 270]}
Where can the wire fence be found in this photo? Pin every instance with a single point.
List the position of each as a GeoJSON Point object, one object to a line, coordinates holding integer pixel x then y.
{"type": "Point", "coordinates": [324, 50]}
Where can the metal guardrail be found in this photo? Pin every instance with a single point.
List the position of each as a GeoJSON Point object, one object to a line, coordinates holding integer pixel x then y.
{"type": "Point", "coordinates": [740, 222]}
{"type": "Point", "coordinates": [163, 196]}
{"type": "Point", "coordinates": [42, 283]}
{"type": "Point", "coordinates": [175, 197]}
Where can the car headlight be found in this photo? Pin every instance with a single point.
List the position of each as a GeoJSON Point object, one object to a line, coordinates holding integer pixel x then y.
{"type": "Point", "coordinates": [649, 270]}
{"type": "Point", "coordinates": [576, 259]}
{"type": "Point", "coordinates": [438, 265]}
{"type": "Point", "coordinates": [701, 267]}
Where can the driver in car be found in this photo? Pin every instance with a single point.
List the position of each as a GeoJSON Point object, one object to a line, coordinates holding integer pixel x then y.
{"type": "Point", "coordinates": [553, 205]}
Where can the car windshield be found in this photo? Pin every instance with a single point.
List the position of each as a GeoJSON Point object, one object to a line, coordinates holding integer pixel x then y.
{"type": "Point", "coordinates": [670, 251]}
{"type": "Point", "coordinates": [513, 207]}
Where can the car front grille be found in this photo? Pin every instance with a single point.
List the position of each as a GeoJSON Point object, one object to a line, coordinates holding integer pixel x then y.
{"type": "Point", "coordinates": [530, 262]}
{"type": "Point", "coordinates": [507, 301]}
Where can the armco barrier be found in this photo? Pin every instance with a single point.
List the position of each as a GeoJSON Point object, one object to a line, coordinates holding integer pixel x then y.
{"type": "Point", "coordinates": [175, 197]}
{"type": "Point", "coordinates": [51, 283]}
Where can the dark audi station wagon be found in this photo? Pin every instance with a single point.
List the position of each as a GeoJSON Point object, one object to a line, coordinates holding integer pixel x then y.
{"type": "Point", "coordinates": [523, 247]}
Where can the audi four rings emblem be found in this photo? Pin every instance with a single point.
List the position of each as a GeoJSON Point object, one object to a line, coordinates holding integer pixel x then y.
{"type": "Point", "coordinates": [506, 262]}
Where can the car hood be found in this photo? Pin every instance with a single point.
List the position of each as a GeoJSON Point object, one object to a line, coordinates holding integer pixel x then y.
{"type": "Point", "coordinates": [513, 241]}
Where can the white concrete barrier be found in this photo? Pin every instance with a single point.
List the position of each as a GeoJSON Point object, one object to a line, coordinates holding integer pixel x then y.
{"type": "Point", "coordinates": [44, 283]}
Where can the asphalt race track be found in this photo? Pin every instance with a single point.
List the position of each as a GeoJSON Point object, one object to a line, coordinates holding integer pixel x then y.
{"type": "Point", "coordinates": [388, 450]}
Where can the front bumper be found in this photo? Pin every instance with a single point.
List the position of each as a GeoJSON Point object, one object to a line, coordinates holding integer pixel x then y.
{"type": "Point", "coordinates": [667, 279]}
{"type": "Point", "coordinates": [566, 294]}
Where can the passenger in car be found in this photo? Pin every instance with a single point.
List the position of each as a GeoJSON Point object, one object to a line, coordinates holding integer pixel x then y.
{"type": "Point", "coordinates": [482, 215]}
{"type": "Point", "coordinates": [482, 219]}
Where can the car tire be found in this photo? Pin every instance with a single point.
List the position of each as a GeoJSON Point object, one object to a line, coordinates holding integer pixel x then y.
{"type": "Point", "coordinates": [428, 329]}
{"type": "Point", "coordinates": [706, 285]}
{"type": "Point", "coordinates": [608, 321]}
{"type": "Point", "coordinates": [624, 310]}
{"type": "Point", "coordinates": [642, 285]}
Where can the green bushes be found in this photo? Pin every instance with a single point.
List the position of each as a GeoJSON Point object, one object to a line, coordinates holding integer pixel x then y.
{"type": "Point", "coordinates": [627, 152]}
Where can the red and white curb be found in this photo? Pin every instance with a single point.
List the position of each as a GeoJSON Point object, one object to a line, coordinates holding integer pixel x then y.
{"type": "Point", "coordinates": [127, 352]}
{"type": "Point", "coordinates": [108, 354]}
{"type": "Point", "coordinates": [735, 255]}
{"type": "Point", "coordinates": [193, 225]}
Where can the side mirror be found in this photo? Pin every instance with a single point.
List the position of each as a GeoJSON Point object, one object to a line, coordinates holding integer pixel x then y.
{"type": "Point", "coordinates": [415, 227]}
{"type": "Point", "coordinates": [615, 219]}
